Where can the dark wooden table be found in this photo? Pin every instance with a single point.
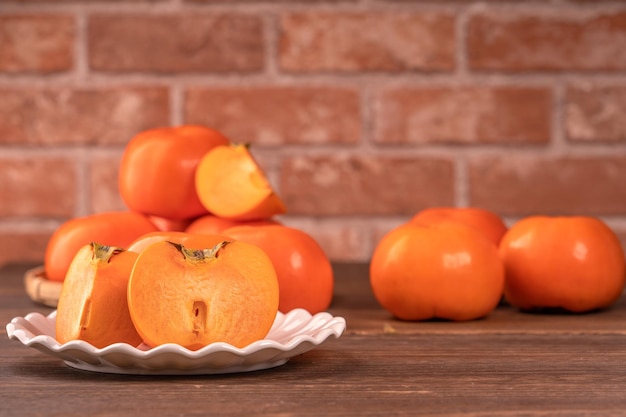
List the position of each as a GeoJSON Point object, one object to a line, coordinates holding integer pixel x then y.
{"type": "Point", "coordinates": [511, 363]}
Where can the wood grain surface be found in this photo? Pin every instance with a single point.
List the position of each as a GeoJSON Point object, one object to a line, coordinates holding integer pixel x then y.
{"type": "Point", "coordinates": [509, 364]}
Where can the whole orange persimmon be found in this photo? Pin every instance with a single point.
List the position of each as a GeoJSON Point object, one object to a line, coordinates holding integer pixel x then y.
{"type": "Point", "coordinates": [170, 225]}
{"type": "Point", "coordinates": [157, 170]}
{"type": "Point", "coordinates": [212, 224]}
{"type": "Point", "coordinates": [575, 263]}
{"type": "Point", "coordinates": [305, 274]}
{"type": "Point", "coordinates": [111, 228]}
{"type": "Point", "coordinates": [443, 270]}
{"type": "Point", "coordinates": [487, 222]}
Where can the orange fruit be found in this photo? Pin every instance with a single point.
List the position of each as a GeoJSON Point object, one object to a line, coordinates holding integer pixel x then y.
{"type": "Point", "coordinates": [444, 270]}
{"type": "Point", "coordinates": [211, 224]}
{"type": "Point", "coordinates": [305, 275]}
{"type": "Point", "coordinates": [112, 229]}
{"type": "Point", "coordinates": [92, 305]}
{"type": "Point", "coordinates": [575, 263]}
{"type": "Point", "coordinates": [485, 221]}
{"type": "Point", "coordinates": [230, 184]}
{"type": "Point", "coordinates": [157, 170]}
{"type": "Point", "coordinates": [164, 224]}
{"type": "Point", "coordinates": [149, 238]}
{"type": "Point", "coordinates": [195, 297]}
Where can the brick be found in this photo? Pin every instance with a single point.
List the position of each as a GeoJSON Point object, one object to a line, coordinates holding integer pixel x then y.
{"type": "Point", "coordinates": [103, 184]}
{"type": "Point", "coordinates": [278, 115]}
{"type": "Point", "coordinates": [343, 241]}
{"type": "Point", "coordinates": [20, 247]}
{"type": "Point", "coordinates": [176, 43]}
{"type": "Point", "coordinates": [595, 113]}
{"type": "Point", "coordinates": [86, 2]}
{"type": "Point", "coordinates": [55, 116]}
{"type": "Point", "coordinates": [367, 41]}
{"type": "Point", "coordinates": [529, 184]}
{"type": "Point", "coordinates": [267, 1]}
{"type": "Point", "coordinates": [364, 185]}
{"type": "Point", "coordinates": [554, 41]}
{"type": "Point", "coordinates": [38, 186]}
{"type": "Point", "coordinates": [36, 43]}
{"type": "Point", "coordinates": [463, 115]}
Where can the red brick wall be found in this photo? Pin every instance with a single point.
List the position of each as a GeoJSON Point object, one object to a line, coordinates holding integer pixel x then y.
{"type": "Point", "coordinates": [361, 111]}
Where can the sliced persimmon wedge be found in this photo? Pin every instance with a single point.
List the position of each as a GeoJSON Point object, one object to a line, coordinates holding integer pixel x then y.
{"type": "Point", "coordinates": [93, 305]}
{"type": "Point", "coordinates": [230, 184]}
{"type": "Point", "coordinates": [194, 295]}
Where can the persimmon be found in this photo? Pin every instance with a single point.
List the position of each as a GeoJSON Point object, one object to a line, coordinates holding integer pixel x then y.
{"type": "Point", "coordinates": [305, 274]}
{"type": "Point", "coordinates": [92, 306]}
{"type": "Point", "coordinates": [148, 239]}
{"type": "Point", "coordinates": [487, 222]}
{"type": "Point", "coordinates": [195, 297]}
{"type": "Point", "coordinates": [111, 228]}
{"type": "Point", "coordinates": [443, 270]}
{"type": "Point", "coordinates": [231, 185]}
{"type": "Point", "coordinates": [573, 263]}
{"type": "Point", "coordinates": [212, 224]}
{"type": "Point", "coordinates": [157, 170]}
{"type": "Point", "coordinates": [164, 224]}
{"type": "Point", "coordinates": [200, 240]}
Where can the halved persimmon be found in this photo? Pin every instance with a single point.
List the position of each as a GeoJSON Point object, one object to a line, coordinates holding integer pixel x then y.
{"type": "Point", "coordinates": [230, 184]}
{"type": "Point", "coordinates": [194, 297]}
{"type": "Point", "coordinates": [93, 304]}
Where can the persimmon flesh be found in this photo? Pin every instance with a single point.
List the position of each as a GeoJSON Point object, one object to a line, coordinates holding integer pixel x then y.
{"type": "Point", "coordinates": [230, 184]}
{"type": "Point", "coordinates": [93, 306]}
{"type": "Point", "coordinates": [195, 297]}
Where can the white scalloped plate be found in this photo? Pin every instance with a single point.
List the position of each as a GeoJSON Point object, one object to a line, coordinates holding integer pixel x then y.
{"type": "Point", "coordinates": [291, 334]}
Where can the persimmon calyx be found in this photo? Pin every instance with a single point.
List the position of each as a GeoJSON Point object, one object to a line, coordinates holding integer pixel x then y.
{"type": "Point", "coordinates": [200, 255]}
{"type": "Point", "coordinates": [102, 254]}
{"type": "Point", "coordinates": [244, 145]}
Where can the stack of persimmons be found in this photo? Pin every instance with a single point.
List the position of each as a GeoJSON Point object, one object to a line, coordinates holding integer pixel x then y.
{"type": "Point", "coordinates": [200, 257]}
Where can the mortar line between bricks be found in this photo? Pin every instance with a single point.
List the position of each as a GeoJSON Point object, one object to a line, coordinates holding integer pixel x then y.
{"type": "Point", "coordinates": [81, 64]}
{"type": "Point", "coordinates": [176, 97]}
{"type": "Point", "coordinates": [557, 131]}
{"type": "Point", "coordinates": [83, 186]}
{"type": "Point", "coordinates": [461, 182]}
{"type": "Point", "coordinates": [271, 34]}
{"type": "Point", "coordinates": [287, 79]}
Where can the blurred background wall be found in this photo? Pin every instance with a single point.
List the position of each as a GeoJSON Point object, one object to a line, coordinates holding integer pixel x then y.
{"type": "Point", "coordinates": [362, 112]}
